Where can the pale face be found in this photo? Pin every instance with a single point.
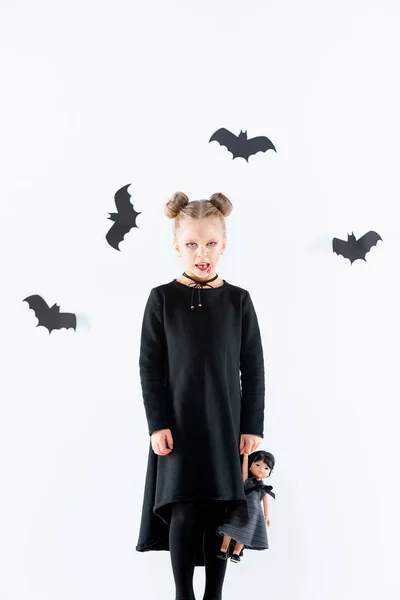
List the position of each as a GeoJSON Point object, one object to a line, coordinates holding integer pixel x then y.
{"type": "Point", "coordinates": [259, 469]}
{"type": "Point", "coordinates": [200, 241]}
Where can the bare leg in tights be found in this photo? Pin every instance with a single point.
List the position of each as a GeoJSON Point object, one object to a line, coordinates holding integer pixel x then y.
{"type": "Point", "coordinates": [185, 518]}
{"type": "Point", "coordinates": [214, 566]}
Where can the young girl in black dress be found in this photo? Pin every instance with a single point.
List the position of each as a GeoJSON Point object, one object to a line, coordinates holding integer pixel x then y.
{"type": "Point", "coordinates": [202, 377]}
{"type": "Point", "coordinates": [247, 524]}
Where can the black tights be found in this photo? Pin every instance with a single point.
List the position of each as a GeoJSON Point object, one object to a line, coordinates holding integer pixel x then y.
{"type": "Point", "coordinates": [185, 518]}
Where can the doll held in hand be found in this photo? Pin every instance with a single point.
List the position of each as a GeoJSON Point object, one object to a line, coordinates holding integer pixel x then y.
{"type": "Point", "coordinates": [246, 523]}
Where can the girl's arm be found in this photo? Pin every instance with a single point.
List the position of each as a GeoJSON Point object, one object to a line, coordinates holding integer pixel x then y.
{"type": "Point", "coordinates": [245, 467]}
{"type": "Point", "coordinates": [152, 364]}
{"type": "Point", "coordinates": [252, 373]}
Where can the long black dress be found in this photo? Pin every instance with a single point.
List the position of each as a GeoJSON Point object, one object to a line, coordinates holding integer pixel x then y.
{"type": "Point", "coordinates": [202, 376]}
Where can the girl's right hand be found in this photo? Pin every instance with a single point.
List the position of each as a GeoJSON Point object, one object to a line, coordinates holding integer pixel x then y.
{"type": "Point", "coordinates": [159, 439]}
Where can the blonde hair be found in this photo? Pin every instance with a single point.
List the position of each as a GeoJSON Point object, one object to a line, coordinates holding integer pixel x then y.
{"type": "Point", "coordinates": [179, 208]}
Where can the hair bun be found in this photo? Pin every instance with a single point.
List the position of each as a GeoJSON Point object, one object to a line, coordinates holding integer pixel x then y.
{"type": "Point", "coordinates": [175, 204]}
{"type": "Point", "coordinates": [221, 202]}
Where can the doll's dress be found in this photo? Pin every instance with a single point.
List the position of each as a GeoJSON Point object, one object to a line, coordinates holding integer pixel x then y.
{"type": "Point", "coordinates": [245, 521]}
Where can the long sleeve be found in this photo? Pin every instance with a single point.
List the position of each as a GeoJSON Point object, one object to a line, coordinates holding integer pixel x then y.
{"type": "Point", "coordinates": [252, 372]}
{"type": "Point", "coordinates": [152, 363]}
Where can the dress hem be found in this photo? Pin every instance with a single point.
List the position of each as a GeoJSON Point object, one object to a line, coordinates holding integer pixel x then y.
{"type": "Point", "coordinates": [149, 545]}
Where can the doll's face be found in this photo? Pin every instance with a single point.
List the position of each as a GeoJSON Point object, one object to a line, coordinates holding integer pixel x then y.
{"type": "Point", "coordinates": [260, 469]}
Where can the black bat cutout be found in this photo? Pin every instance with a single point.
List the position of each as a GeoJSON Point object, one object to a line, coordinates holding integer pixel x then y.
{"type": "Point", "coordinates": [355, 249]}
{"type": "Point", "coordinates": [124, 219]}
{"type": "Point", "coordinates": [239, 145]}
{"type": "Point", "coordinates": [51, 318]}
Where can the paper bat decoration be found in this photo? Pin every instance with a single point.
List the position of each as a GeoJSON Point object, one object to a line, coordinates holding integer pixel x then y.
{"type": "Point", "coordinates": [124, 219]}
{"type": "Point", "coordinates": [51, 318]}
{"type": "Point", "coordinates": [354, 249]}
{"type": "Point", "coordinates": [239, 145]}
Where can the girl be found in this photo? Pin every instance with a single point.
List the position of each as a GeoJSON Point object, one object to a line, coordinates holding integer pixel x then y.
{"type": "Point", "coordinates": [202, 377]}
{"type": "Point", "coordinates": [247, 523]}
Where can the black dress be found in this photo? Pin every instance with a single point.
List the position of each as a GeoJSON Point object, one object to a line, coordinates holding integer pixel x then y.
{"type": "Point", "coordinates": [202, 376]}
{"type": "Point", "coordinates": [245, 523]}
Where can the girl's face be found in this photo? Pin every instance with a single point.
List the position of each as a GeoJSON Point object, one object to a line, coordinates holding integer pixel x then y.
{"type": "Point", "coordinates": [260, 469]}
{"type": "Point", "coordinates": [200, 241]}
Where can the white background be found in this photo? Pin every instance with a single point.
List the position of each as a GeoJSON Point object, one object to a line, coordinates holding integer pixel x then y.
{"type": "Point", "coordinates": [96, 95]}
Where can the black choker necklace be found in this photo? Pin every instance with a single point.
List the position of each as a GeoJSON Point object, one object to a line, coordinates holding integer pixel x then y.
{"type": "Point", "coordinates": [198, 284]}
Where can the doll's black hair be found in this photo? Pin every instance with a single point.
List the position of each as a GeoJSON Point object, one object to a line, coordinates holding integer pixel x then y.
{"type": "Point", "coordinates": [263, 455]}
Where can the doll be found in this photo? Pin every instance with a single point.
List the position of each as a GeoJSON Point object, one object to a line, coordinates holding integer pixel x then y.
{"type": "Point", "coordinates": [246, 523]}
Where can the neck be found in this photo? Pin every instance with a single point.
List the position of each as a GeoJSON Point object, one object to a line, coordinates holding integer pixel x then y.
{"type": "Point", "coordinates": [201, 282]}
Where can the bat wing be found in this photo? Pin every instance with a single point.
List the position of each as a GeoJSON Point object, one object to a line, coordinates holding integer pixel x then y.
{"type": "Point", "coordinates": [259, 144]}
{"type": "Point", "coordinates": [123, 199]}
{"type": "Point", "coordinates": [341, 247]}
{"type": "Point", "coordinates": [67, 320]}
{"type": "Point", "coordinates": [39, 306]}
{"type": "Point", "coordinates": [225, 138]}
{"type": "Point", "coordinates": [369, 239]}
{"type": "Point", "coordinates": [116, 234]}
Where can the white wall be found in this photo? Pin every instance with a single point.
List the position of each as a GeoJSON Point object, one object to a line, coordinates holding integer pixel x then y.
{"type": "Point", "coordinates": [98, 95]}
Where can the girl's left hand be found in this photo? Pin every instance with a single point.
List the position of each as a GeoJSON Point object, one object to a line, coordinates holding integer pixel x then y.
{"type": "Point", "coordinates": [249, 442]}
{"type": "Point", "coordinates": [267, 521]}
